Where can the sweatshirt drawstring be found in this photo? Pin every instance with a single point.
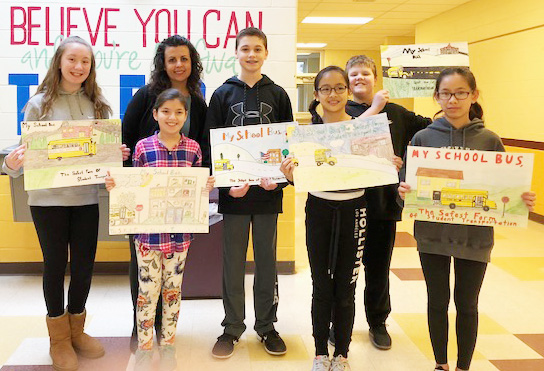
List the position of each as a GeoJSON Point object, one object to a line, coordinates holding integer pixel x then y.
{"type": "Point", "coordinates": [79, 102]}
{"type": "Point", "coordinates": [244, 112]}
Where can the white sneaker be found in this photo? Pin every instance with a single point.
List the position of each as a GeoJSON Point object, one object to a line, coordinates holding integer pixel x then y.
{"type": "Point", "coordinates": [144, 359]}
{"type": "Point", "coordinates": [321, 363]}
{"type": "Point", "coordinates": [168, 360]}
{"type": "Point", "coordinates": [339, 363]}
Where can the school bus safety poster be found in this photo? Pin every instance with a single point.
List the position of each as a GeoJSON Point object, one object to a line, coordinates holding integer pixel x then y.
{"type": "Point", "coordinates": [245, 154]}
{"type": "Point", "coordinates": [410, 71]}
{"type": "Point", "coordinates": [159, 200]}
{"type": "Point", "coordinates": [467, 187]}
{"type": "Point", "coordinates": [70, 153]}
{"type": "Point", "coordinates": [343, 155]}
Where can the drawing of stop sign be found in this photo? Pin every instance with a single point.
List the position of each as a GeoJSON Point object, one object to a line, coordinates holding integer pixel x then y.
{"type": "Point", "coordinates": [138, 209]}
{"type": "Point", "coordinates": [504, 200]}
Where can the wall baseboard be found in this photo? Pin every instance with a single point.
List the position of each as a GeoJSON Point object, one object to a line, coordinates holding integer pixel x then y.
{"type": "Point", "coordinates": [113, 268]}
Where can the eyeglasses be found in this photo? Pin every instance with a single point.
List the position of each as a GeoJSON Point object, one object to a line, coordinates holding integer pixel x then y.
{"type": "Point", "coordinates": [327, 90]}
{"type": "Point", "coordinates": [459, 95]}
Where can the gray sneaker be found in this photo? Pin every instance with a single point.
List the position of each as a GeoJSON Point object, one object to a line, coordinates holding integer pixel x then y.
{"type": "Point", "coordinates": [339, 363]}
{"type": "Point", "coordinates": [144, 359]}
{"type": "Point", "coordinates": [321, 363]}
{"type": "Point", "coordinates": [168, 358]}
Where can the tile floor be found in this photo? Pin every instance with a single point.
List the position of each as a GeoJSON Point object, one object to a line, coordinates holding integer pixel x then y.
{"type": "Point", "coordinates": [511, 333]}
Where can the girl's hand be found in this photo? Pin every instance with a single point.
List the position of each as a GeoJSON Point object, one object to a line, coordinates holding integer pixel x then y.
{"type": "Point", "coordinates": [210, 183]}
{"type": "Point", "coordinates": [529, 198]}
{"type": "Point", "coordinates": [110, 183]}
{"type": "Point", "coordinates": [14, 160]}
{"type": "Point", "coordinates": [287, 167]}
{"type": "Point", "coordinates": [239, 191]}
{"type": "Point", "coordinates": [403, 189]}
{"type": "Point", "coordinates": [267, 184]}
{"type": "Point", "coordinates": [126, 152]}
{"type": "Point", "coordinates": [397, 161]}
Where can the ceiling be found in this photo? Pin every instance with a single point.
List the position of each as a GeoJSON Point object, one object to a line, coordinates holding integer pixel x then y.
{"type": "Point", "coordinates": [392, 18]}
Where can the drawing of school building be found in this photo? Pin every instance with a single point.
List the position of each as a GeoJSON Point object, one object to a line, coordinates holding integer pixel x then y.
{"type": "Point", "coordinates": [379, 146]}
{"type": "Point", "coordinates": [431, 180]}
{"type": "Point", "coordinates": [175, 202]}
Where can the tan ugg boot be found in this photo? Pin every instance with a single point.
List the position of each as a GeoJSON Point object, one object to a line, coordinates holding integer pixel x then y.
{"type": "Point", "coordinates": [62, 353]}
{"type": "Point", "coordinates": [83, 344]}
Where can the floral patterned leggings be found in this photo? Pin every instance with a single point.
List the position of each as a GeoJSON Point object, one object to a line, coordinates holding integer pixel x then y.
{"type": "Point", "coordinates": [158, 273]}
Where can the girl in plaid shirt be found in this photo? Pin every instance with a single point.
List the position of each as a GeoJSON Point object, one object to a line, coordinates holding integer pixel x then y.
{"type": "Point", "coordinates": [161, 256]}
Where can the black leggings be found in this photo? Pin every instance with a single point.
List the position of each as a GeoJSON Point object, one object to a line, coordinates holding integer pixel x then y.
{"type": "Point", "coordinates": [334, 272]}
{"type": "Point", "coordinates": [469, 276]}
{"type": "Point", "coordinates": [61, 229]}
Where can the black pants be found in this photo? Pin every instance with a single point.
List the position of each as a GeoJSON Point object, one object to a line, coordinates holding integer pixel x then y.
{"type": "Point", "coordinates": [335, 238]}
{"type": "Point", "coordinates": [377, 260]}
{"type": "Point", "coordinates": [469, 276]}
{"type": "Point", "coordinates": [63, 229]}
{"type": "Point", "coordinates": [133, 278]}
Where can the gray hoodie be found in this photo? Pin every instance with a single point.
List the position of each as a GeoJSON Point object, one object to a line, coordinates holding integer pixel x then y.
{"type": "Point", "coordinates": [460, 241]}
{"type": "Point", "coordinates": [75, 106]}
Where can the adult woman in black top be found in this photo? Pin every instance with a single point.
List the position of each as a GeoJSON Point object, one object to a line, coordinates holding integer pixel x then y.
{"type": "Point", "coordinates": [176, 65]}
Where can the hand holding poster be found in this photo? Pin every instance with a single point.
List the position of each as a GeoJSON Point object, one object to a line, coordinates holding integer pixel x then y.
{"type": "Point", "coordinates": [159, 200]}
{"type": "Point", "coordinates": [245, 154]}
{"type": "Point", "coordinates": [411, 70]}
{"type": "Point", "coordinates": [343, 155]}
{"type": "Point", "coordinates": [467, 187]}
{"type": "Point", "coordinates": [70, 153]}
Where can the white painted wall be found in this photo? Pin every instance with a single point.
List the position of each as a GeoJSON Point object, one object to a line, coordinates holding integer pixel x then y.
{"type": "Point", "coordinates": [26, 29]}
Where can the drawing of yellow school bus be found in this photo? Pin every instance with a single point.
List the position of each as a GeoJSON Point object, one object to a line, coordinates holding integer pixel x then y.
{"type": "Point", "coordinates": [71, 147]}
{"type": "Point", "coordinates": [398, 71]}
{"type": "Point", "coordinates": [223, 165]}
{"type": "Point", "coordinates": [475, 198]}
{"type": "Point", "coordinates": [324, 156]}
{"type": "Point", "coordinates": [121, 215]}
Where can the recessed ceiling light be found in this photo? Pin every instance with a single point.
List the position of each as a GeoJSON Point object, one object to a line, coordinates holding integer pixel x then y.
{"type": "Point", "coordinates": [311, 45]}
{"type": "Point", "coordinates": [337, 20]}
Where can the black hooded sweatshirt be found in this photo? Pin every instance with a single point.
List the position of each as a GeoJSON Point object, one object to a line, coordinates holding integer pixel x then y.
{"type": "Point", "coordinates": [403, 124]}
{"type": "Point", "coordinates": [469, 242]}
{"type": "Point", "coordinates": [236, 104]}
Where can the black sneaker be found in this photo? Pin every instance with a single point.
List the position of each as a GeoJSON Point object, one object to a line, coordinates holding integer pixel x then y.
{"type": "Point", "coordinates": [379, 337]}
{"type": "Point", "coordinates": [273, 343]}
{"type": "Point", "coordinates": [224, 347]}
{"type": "Point", "coordinates": [332, 340]}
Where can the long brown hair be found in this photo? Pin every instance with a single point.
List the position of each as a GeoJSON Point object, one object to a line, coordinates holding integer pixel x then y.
{"type": "Point", "coordinates": [50, 85]}
{"type": "Point", "coordinates": [160, 81]}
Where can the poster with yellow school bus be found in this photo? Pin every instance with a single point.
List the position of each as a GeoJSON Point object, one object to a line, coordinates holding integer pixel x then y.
{"type": "Point", "coordinates": [70, 153]}
{"type": "Point", "coordinates": [343, 155]}
{"type": "Point", "coordinates": [246, 154]}
{"type": "Point", "coordinates": [159, 200]}
{"type": "Point", "coordinates": [410, 71]}
{"type": "Point", "coordinates": [467, 187]}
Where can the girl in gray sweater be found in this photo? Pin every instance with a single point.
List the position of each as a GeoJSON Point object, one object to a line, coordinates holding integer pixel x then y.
{"type": "Point", "coordinates": [469, 245]}
{"type": "Point", "coordinates": [66, 219]}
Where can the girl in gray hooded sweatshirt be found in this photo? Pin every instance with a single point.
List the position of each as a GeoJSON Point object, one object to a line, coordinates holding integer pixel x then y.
{"type": "Point", "coordinates": [469, 245]}
{"type": "Point", "coordinates": [66, 219]}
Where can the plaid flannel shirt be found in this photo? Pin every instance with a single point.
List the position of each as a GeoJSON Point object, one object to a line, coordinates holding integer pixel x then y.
{"type": "Point", "coordinates": [150, 152]}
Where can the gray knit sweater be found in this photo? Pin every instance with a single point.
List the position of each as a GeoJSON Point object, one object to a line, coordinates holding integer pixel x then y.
{"type": "Point", "coordinates": [75, 106]}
